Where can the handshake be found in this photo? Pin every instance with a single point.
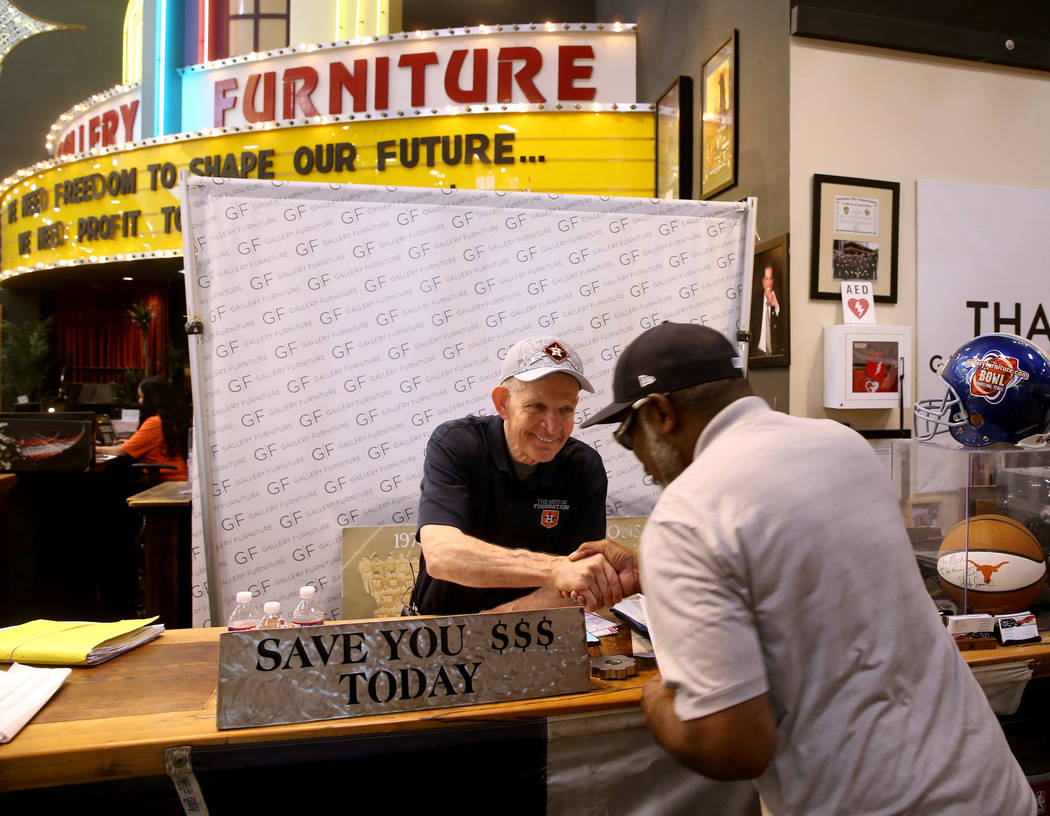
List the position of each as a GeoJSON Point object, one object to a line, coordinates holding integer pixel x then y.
{"type": "Point", "coordinates": [598, 574]}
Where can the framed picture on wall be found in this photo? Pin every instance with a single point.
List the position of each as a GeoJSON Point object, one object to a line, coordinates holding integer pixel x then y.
{"type": "Point", "coordinates": [854, 236]}
{"type": "Point", "coordinates": [769, 322]}
{"type": "Point", "coordinates": [674, 140]}
{"type": "Point", "coordinates": [925, 512]}
{"type": "Point", "coordinates": [718, 106]}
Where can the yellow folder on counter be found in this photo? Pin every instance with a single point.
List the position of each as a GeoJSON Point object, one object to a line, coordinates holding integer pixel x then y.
{"type": "Point", "coordinates": [73, 643]}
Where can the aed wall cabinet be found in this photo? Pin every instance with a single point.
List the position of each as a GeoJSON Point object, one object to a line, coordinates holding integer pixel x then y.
{"type": "Point", "coordinates": [864, 365]}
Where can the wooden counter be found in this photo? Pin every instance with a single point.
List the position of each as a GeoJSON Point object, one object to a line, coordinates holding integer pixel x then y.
{"type": "Point", "coordinates": [114, 721]}
{"type": "Point", "coordinates": [166, 510]}
{"type": "Point", "coordinates": [1039, 653]}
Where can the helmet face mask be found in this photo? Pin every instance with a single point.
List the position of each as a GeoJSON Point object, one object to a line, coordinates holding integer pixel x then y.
{"type": "Point", "coordinates": [998, 390]}
{"type": "Point", "coordinates": [938, 415]}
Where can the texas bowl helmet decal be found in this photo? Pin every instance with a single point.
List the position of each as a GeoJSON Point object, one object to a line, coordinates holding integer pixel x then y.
{"type": "Point", "coordinates": [998, 391]}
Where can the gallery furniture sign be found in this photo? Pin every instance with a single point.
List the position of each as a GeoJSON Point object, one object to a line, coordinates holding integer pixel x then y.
{"type": "Point", "coordinates": [559, 64]}
{"type": "Point", "coordinates": [341, 324]}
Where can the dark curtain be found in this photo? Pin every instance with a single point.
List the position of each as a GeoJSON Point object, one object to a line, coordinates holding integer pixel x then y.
{"type": "Point", "coordinates": [96, 340]}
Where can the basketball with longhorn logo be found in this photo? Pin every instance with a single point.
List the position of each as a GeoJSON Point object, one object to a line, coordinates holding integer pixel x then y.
{"type": "Point", "coordinates": [994, 561]}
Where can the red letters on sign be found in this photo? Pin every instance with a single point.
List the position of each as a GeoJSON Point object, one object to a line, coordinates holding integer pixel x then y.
{"type": "Point", "coordinates": [340, 79]}
{"type": "Point", "coordinates": [299, 96]}
{"type": "Point", "coordinates": [569, 72]}
{"type": "Point", "coordinates": [128, 112]}
{"type": "Point", "coordinates": [418, 63]}
{"type": "Point", "coordinates": [252, 113]}
{"type": "Point", "coordinates": [533, 62]}
{"type": "Point", "coordinates": [222, 102]}
{"type": "Point", "coordinates": [517, 67]}
{"type": "Point", "coordinates": [110, 120]}
{"type": "Point", "coordinates": [454, 89]}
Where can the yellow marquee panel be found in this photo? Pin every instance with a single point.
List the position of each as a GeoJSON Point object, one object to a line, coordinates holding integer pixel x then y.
{"type": "Point", "coordinates": [124, 204]}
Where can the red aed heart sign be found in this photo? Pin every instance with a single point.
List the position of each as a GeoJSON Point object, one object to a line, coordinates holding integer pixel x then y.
{"type": "Point", "coordinates": [858, 306]}
{"type": "Point", "coordinates": [875, 369]}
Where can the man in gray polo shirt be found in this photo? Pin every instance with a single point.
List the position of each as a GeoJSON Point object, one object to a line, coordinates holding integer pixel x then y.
{"type": "Point", "coordinates": [796, 643]}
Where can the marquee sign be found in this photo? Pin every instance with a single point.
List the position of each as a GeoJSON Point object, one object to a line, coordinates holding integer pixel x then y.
{"type": "Point", "coordinates": [123, 204]}
{"type": "Point", "coordinates": [105, 120]}
{"type": "Point", "coordinates": [276, 676]}
{"type": "Point", "coordinates": [561, 64]}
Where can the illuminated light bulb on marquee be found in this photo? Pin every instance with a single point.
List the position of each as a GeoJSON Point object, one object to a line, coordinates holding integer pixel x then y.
{"type": "Point", "coordinates": [16, 27]}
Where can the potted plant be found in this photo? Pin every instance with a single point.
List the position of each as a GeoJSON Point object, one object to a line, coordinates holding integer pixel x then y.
{"type": "Point", "coordinates": [26, 360]}
{"type": "Point", "coordinates": [142, 315]}
{"type": "Point", "coordinates": [126, 389]}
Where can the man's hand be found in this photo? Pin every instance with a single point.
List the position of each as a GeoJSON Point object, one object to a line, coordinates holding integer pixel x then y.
{"type": "Point", "coordinates": [587, 579]}
{"type": "Point", "coordinates": [735, 743]}
{"type": "Point", "coordinates": [655, 695]}
{"type": "Point", "coordinates": [623, 560]}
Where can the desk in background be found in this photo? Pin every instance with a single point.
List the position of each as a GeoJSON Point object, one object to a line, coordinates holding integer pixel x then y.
{"type": "Point", "coordinates": [167, 579]}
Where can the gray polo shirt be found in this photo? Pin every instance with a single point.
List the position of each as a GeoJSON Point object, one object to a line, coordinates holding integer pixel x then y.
{"type": "Point", "coordinates": [778, 562]}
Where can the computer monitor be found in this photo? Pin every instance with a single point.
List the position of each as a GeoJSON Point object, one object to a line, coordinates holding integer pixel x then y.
{"type": "Point", "coordinates": [47, 441]}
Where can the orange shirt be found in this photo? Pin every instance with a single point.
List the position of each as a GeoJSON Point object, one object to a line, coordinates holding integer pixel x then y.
{"type": "Point", "coordinates": [147, 445]}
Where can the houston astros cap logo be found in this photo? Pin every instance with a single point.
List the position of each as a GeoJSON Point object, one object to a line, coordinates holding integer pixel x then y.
{"type": "Point", "coordinates": [549, 518]}
{"type": "Point", "coordinates": [536, 357]}
{"type": "Point", "coordinates": [555, 351]}
{"type": "Point", "coordinates": [992, 375]}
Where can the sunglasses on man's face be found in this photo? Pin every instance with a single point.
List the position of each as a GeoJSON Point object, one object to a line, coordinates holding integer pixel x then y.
{"type": "Point", "coordinates": [624, 434]}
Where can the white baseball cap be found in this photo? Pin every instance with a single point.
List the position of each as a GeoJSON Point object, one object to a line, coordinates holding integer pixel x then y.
{"type": "Point", "coordinates": [536, 357]}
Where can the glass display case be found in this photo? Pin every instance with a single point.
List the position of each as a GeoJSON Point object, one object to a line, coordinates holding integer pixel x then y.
{"type": "Point", "coordinates": [979, 522]}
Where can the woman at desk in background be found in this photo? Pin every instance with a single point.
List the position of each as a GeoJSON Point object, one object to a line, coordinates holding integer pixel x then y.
{"type": "Point", "coordinates": [161, 435]}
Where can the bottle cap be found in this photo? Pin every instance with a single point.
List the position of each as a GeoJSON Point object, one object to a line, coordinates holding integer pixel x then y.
{"type": "Point", "coordinates": [244, 597]}
{"type": "Point", "coordinates": [272, 607]}
{"type": "Point", "coordinates": [306, 592]}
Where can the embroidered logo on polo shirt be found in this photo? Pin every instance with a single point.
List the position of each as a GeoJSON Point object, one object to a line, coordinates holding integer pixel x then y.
{"type": "Point", "coordinates": [550, 510]}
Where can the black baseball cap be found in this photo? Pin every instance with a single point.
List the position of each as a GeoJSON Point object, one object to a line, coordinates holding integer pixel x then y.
{"type": "Point", "coordinates": [665, 358]}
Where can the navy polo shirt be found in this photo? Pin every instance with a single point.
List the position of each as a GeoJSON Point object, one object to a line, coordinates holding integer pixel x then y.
{"type": "Point", "coordinates": [469, 483]}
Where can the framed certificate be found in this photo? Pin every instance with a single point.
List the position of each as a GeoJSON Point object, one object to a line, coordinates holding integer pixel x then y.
{"type": "Point", "coordinates": [854, 236]}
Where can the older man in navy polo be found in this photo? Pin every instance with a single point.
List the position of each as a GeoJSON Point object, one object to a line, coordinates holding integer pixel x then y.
{"type": "Point", "coordinates": [512, 508]}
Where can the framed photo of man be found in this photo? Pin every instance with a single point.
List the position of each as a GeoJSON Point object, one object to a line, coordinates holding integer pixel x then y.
{"type": "Point", "coordinates": [769, 324]}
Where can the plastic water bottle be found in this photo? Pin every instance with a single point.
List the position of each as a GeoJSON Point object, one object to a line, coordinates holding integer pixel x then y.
{"type": "Point", "coordinates": [271, 618]}
{"type": "Point", "coordinates": [243, 617]}
{"type": "Point", "coordinates": [307, 612]}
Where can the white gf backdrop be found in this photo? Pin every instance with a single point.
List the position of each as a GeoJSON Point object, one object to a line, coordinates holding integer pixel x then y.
{"type": "Point", "coordinates": [982, 265]}
{"type": "Point", "coordinates": [343, 323]}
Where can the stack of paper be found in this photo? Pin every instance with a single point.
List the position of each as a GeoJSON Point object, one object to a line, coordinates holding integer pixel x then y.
{"type": "Point", "coordinates": [73, 643]}
{"type": "Point", "coordinates": [599, 626]}
{"type": "Point", "coordinates": [632, 610]}
{"type": "Point", "coordinates": [23, 692]}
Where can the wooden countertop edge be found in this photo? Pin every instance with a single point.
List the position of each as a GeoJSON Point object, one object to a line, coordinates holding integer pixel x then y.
{"type": "Point", "coordinates": [127, 746]}
{"type": "Point", "coordinates": [1005, 654]}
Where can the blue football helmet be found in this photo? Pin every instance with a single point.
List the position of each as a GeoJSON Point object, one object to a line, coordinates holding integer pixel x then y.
{"type": "Point", "coordinates": [998, 391]}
